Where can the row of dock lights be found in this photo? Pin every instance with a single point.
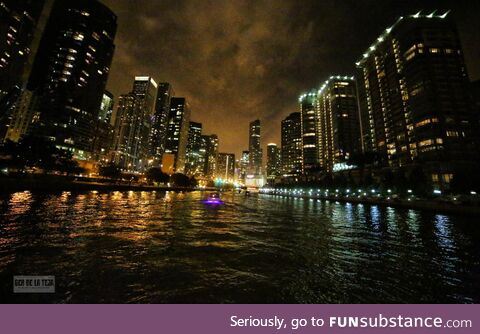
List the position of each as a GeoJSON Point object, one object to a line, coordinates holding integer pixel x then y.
{"type": "Point", "coordinates": [347, 193]}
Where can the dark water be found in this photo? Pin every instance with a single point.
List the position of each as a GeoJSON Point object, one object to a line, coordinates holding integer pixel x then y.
{"type": "Point", "coordinates": [141, 247]}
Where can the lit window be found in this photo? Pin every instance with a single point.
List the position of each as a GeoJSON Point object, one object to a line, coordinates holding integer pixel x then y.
{"type": "Point", "coordinates": [447, 178]}
{"type": "Point", "coordinates": [426, 121]}
{"type": "Point", "coordinates": [427, 142]}
{"type": "Point", "coordinates": [78, 36]}
{"type": "Point", "coordinates": [434, 50]}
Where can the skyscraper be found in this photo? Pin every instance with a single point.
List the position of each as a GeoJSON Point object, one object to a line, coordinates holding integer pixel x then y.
{"type": "Point", "coordinates": [225, 167]}
{"type": "Point", "coordinates": [255, 148]}
{"type": "Point", "coordinates": [292, 144]}
{"type": "Point", "coordinates": [244, 164]}
{"type": "Point", "coordinates": [195, 154]}
{"type": "Point", "coordinates": [177, 134]}
{"type": "Point", "coordinates": [18, 23]}
{"type": "Point", "coordinates": [133, 124]}
{"type": "Point", "coordinates": [158, 134]}
{"type": "Point", "coordinates": [211, 153]}
{"type": "Point", "coordinates": [70, 72]}
{"type": "Point", "coordinates": [417, 106]}
{"type": "Point", "coordinates": [338, 122]}
{"type": "Point", "coordinates": [103, 128]}
{"type": "Point", "coordinates": [145, 91]}
{"type": "Point", "coordinates": [310, 158]}
{"type": "Point", "coordinates": [123, 138]}
{"type": "Point", "coordinates": [273, 161]}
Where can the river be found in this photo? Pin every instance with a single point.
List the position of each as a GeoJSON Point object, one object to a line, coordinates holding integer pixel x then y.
{"type": "Point", "coordinates": [166, 247]}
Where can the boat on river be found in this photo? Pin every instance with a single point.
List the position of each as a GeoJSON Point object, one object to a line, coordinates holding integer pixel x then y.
{"type": "Point", "coordinates": [214, 198]}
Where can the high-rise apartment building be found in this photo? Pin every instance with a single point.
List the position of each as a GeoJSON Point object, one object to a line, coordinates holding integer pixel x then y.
{"type": "Point", "coordinates": [177, 134]}
{"type": "Point", "coordinates": [133, 124]}
{"type": "Point", "coordinates": [158, 134]}
{"type": "Point", "coordinates": [338, 124]}
{"type": "Point", "coordinates": [244, 165]}
{"type": "Point", "coordinates": [195, 154]}
{"type": "Point", "coordinates": [211, 153]}
{"type": "Point", "coordinates": [415, 89]}
{"type": "Point", "coordinates": [255, 148]}
{"type": "Point", "coordinates": [225, 168]}
{"type": "Point", "coordinates": [70, 72]}
{"type": "Point", "coordinates": [291, 146]}
{"type": "Point", "coordinates": [123, 133]}
{"type": "Point", "coordinates": [19, 22]}
{"type": "Point", "coordinates": [273, 161]}
{"type": "Point", "coordinates": [103, 128]}
{"type": "Point", "coordinates": [310, 159]}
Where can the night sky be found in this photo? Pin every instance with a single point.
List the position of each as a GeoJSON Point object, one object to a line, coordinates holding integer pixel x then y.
{"type": "Point", "coordinates": [236, 60]}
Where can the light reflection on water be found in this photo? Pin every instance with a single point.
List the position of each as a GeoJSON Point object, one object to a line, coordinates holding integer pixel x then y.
{"type": "Point", "coordinates": [170, 247]}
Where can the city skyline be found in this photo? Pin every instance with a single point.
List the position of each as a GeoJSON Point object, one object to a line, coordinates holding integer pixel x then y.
{"type": "Point", "coordinates": [357, 180]}
{"type": "Point", "coordinates": [223, 91]}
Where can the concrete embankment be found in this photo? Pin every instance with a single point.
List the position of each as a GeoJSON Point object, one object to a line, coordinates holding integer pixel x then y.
{"type": "Point", "coordinates": [46, 184]}
{"type": "Point", "coordinates": [445, 207]}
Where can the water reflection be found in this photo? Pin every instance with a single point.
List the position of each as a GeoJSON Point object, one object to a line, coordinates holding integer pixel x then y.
{"type": "Point", "coordinates": [170, 247]}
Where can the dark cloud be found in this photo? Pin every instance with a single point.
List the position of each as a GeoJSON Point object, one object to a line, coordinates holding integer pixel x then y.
{"type": "Point", "coordinates": [238, 60]}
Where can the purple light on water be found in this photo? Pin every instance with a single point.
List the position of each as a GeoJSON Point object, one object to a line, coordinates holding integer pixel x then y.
{"type": "Point", "coordinates": [213, 201]}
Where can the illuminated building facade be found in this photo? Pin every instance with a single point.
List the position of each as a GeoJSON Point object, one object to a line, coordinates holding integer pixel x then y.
{"type": "Point", "coordinates": [158, 134]}
{"type": "Point", "coordinates": [273, 161]}
{"type": "Point", "coordinates": [310, 158]}
{"type": "Point", "coordinates": [255, 148]}
{"type": "Point", "coordinates": [291, 146]}
{"type": "Point", "coordinates": [338, 124]}
{"type": "Point", "coordinates": [415, 88]}
{"type": "Point", "coordinates": [70, 72]}
{"type": "Point", "coordinates": [225, 168]}
{"type": "Point", "coordinates": [103, 128]}
{"type": "Point", "coordinates": [19, 22]}
{"type": "Point", "coordinates": [177, 133]}
{"type": "Point", "coordinates": [244, 164]}
{"type": "Point", "coordinates": [195, 154]}
{"type": "Point", "coordinates": [211, 153]}
{"type": "Point", "coordinates": [123, 131]}
{"type": "Point", "coordinates": [133, 124]}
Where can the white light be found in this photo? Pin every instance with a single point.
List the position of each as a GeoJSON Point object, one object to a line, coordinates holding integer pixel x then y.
{"type": "Point", "coordinates": [473, 192]}
{"type": "Point", "coordinates": [438, 192]}
{"type": "Point", "coordinates": [409, 191]}
{"type": "Point", "coordinates": [444, 15]}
